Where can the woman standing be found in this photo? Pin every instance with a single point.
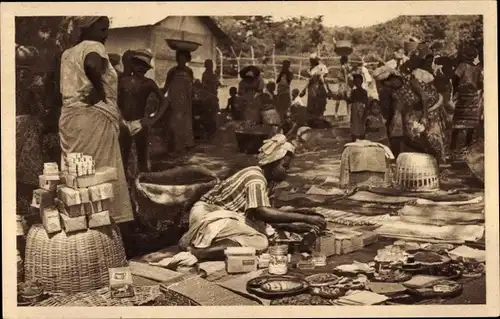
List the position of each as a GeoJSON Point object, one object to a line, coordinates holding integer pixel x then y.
{"type": "Point", "coordinates": [90, 120]}
{"type": "Point", "coordinates": [179, 87]}
{"type": "Point", "coordinates": [284, 81]}
{"type": "Point", "coordinates": [468, 84]}
{"type": "Point", "coordinates": [317, 89]}
{"type": "Point", "coordinates": [211, 85]}
{"type": "Point", "coordinates": [250, 88]}
{"type": "Point", "coordinates": [422, 110]}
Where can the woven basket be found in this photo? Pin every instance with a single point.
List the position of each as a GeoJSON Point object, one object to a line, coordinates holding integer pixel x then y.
{"type": "Point", "coordinates": [69, 263]}
{"type": "Point", "coordinates": [417, 172]}
{"type": "Point", "coordinates": [165, 198]}
{"type": "Point", "coordinates": [343, 47]}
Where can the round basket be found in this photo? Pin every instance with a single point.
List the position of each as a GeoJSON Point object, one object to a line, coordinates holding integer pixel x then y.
{"type": "Point", "coordinates": [343, 47]}
{"type": "Point", "coordinates": [371, 177]}
{"type": "Point", "coordinates": [182, 45]}
{"type": "Point", "coordinates": [417, 172]}
{"type": "Point", "coordinates": [165, 198]}
{"type": "Point", "coordinates": [77, 262]}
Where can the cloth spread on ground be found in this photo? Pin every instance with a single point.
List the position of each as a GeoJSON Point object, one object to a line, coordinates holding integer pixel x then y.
{"type": "Point", "coordinates": [437, 196]}
{"type": "Point", "coordinates": [239, 285]}
{"type": "Point", "coordinates": [206, 293]}
{"type": "Point", "coordinates": [395, 227]}
{"type": "Point", "coordinates": [182, 259]}
{"type": "Point", "coordinates": [102, 298]}
{"type": "Point", "coordinates": [468, 253]}
{"type": "Point", "coordinates": [341, 217]}
{"type": "Point", "coordinates": [365, 196]}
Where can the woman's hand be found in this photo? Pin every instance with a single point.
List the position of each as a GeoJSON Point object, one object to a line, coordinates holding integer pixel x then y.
{"type": "Point", "coordinates": [316, 220]}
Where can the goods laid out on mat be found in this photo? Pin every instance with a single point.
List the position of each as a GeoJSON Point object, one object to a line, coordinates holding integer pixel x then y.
{"type": "Point", "coordinates": [400, 273]}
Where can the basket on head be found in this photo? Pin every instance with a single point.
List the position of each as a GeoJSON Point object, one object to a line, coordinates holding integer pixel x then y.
{"type": "Point", "coordinates": [343, 47]}
{"type": "Point", "coordinates": [417, 172]}
{"type": "Point", "coordinates": [70, 263]}
{"type": "Point", "coordinates": [182, 45]}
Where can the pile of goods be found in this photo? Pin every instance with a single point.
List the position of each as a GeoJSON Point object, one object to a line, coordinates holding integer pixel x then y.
{"type": "Point", "coordinates": [76, 199]}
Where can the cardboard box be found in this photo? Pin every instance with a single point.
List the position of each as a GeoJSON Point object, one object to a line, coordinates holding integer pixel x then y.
{"type": "Point", "coordinates": [69, 196]}
{"type": "Point", "coordinates": [325, 244]}
{"type": "Point", "coordinates": [50, 220]}
{"type": "Point", "coordinates": [101, 205]}
{"type": "Point", "coordinates": [100, 192]}
{"type": "Point", "coordinates": [240, 260]}
{"type": "Point", "coordinates": [49, 182]}
{"type": "Point", "coordinates": [101, 176]}
{"type": "Point", "coordinates": [347, 241]}
{"type": "Point", "coordinates": [70, 211]}
{"type": "Point", "coordinates": [73, 224]}
{"type": "Point", "coordinates": [43, 198]}
{"type": "Point", "coordinates": [121, 284]}
{"type": "Point", "coordinates": [50, 169]}
{"type": "Point", "coordinates": [99, 219]}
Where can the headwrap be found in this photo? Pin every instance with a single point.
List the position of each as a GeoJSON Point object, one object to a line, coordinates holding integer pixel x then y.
{"type": "Point", "coordinates": [84, 22]}
{"type": "Point", "coordinates": [383, 72]}
{"type": "Point", "coordinates": [274, 149]}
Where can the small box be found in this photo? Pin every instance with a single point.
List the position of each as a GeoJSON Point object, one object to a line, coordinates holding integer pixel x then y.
{"type": "Point", "coordinates": [43, 198]}
{"type": "Point", "coordinates": [99, 219]}
{"type": "Point", "coordinates": [70, 211]}
{"type": "Point", "coordinates": [69, 196]}
{"type": "Point", "coordinates": [121, 284]}
{"type": "Point", "coordinates": [325, 244]}
{"type": "Point", "coordinates": [100, 192]}
{"type": "Point", "coordinates": [101, 205]}
{"type": "Point", "coordinates": [101, 176]}
{"type": "Point", "coordinates": [49, 182]}
{"type": "Point", "coordinates": [50, 220]}
{"type": "Point", "coordinates": [240, 260]}
{"type": "Point", "coordinates": [50, 169]}
{"type": "Point", "coordinates": [73, 224]}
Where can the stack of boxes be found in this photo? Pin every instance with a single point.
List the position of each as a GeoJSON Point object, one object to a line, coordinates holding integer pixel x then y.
{"type": "Point", "coordinates": [76, 199]}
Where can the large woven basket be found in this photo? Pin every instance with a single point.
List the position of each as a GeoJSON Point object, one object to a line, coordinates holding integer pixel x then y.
{"type": "Point", "coordinates": [165, 198]}
{"type": "Point", "coordinates": [70, 263]}
{"type": "Point", "coordinates": [417, 172]}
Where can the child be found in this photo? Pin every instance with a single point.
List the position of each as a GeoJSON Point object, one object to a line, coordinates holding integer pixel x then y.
{"type": "Point", "coordinates": [234, 104]}
{"type": "Point", "coordinates": [358, 102]}
{"type": "Point", "coordinates": [297, 117]}
{"type": "Point", "coordinates": [376, 130]}
{"type": "Point", "coordinates": [134, 90]}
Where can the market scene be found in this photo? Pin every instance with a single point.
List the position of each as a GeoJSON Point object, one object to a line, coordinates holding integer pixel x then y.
{"type": "Point", "coordinates": [230, 161]}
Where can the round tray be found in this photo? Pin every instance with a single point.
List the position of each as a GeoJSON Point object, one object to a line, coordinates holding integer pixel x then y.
{"type": "Point", "coordinates": [182, 45]}
{"type": "Point", "coordinates": [444, 259]}
{"type": "Point", "coordinates": [278, 294]}
{"type": "Point", "coordinates": [431, 293]}
{"type": "Point", "coordinates": [316, 291]}
{"type": "Point", "coordinates": [332, 281]}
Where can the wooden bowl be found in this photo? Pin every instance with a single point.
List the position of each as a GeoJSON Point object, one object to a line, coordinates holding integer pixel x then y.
{"type": "Point", "coordinates": [182, 45]}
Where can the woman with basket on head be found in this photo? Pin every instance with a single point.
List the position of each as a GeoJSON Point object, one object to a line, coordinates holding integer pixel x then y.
{"type": "Point", "coordinates": [90, 119]}
{"type": "Point", "coordinates": [178, 90]}
{"type": "Point", "coordinates": [317, 89]}
{"type": "Point", "coordinates": [421, 108]}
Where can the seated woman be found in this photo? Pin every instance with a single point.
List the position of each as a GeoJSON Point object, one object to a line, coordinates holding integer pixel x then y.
{"type": "Point", "coordinates": [235, 212]}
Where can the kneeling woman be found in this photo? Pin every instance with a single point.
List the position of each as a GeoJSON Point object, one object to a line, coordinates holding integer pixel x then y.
{"type": "Point", "coordinates": [235, 212]}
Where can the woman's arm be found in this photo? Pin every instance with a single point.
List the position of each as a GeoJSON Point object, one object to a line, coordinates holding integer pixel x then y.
{"type": "Point", "coordinates": [271, 215]}
{"type": "Point", "coordinates": [94, 66]}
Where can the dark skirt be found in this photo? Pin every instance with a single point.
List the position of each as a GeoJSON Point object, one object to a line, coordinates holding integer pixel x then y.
{"type": "Point", "coordinates": [468, 107]}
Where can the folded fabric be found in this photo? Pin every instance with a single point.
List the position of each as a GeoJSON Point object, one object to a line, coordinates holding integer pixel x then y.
{"type": "Point", "coordinates": [395, 227]}
{"type": "Point", "coordinates": [443, 215]}
{"type": "Point", "coordinates": [182, 259]}
{"type": "Point", "coordinates": [468, 253]}
{"type": "Point", "coordinates": [364, 196]}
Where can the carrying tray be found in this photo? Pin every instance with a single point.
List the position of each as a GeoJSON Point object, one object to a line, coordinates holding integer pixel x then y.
{"type": "Point", "coordinates": [254, 286]}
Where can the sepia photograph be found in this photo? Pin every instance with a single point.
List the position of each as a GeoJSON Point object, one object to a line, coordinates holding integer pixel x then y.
{"type": "Point", "coordinates": [321, 159]}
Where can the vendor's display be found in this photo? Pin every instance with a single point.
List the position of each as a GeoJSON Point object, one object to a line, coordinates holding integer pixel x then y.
{"type": "Point", "coordinates": [121, 284]}
{"type": "Point", "coordinates": [80, 165]}
{"type": "Point", "coordinates": [240, 260]}
{"type": "Point", "coordinates": [271, 287]}
{"type": "Point", "coordinates": [365, 163]}
{"type": "Point", "coordinates": [417, 172]}
{"type": "Point", "coordinates": [102, 175]}
{"type": "Point", "coordinates": [73, 262]}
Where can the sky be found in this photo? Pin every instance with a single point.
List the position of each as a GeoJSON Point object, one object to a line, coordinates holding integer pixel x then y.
{"type": "Point", "coordinates": [354, 20]}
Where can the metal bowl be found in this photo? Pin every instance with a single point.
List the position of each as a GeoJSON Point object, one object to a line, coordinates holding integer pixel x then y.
{"type": "Point", "coordinates": [182, 45]}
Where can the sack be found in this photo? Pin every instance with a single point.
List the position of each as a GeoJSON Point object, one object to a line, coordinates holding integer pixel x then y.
{"type": "Point", "coordinates": [164, 199]}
